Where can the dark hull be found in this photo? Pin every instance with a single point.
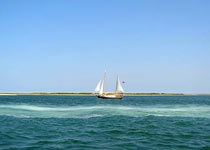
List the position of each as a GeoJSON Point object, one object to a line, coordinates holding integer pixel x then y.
{"type": "Point", "coordinates": [110, 96]}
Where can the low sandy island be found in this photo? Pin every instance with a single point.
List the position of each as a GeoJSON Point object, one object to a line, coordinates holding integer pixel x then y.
{"type": "Point", "coordinates": [90, 94]}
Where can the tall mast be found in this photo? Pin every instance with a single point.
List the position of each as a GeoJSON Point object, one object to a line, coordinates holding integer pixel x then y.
{"type": "Point", "coordinates": [104, 85]}
{"type": "Point", "coordinates": [116, 84]}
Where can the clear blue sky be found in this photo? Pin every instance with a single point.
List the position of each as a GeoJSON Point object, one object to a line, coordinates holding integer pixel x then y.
{"type": "Point", "coordinates": [65, 46]}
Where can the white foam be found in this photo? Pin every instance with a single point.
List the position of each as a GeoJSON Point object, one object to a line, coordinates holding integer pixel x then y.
{"type": "Point", "coordinates": [92, 116]}
{"type": "Point", "coordinates": [72, 108]}
{"type": "Point", "coordinates": [24, 111]}
{"type": "Point", "coordinates": [16, 116]}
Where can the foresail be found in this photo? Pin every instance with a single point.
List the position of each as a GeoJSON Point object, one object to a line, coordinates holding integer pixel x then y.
{"type": "Point", "coordinates": [97, 89]}
{"type": "Point", "coordinates": [101, 88]}
{"type": "Point", "coordinates": [119, 88]}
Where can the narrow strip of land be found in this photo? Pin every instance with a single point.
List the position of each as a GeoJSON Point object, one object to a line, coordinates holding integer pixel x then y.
{"type": "Point", "coordinates": [90, 94]}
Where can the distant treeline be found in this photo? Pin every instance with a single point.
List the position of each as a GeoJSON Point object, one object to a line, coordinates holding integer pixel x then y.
{"type": "Point", "coordinates": [155, 93]}
{"type": "Point", "coordinates": [91, 94]}
{"type": "Point", "coordinates": [128, 94]}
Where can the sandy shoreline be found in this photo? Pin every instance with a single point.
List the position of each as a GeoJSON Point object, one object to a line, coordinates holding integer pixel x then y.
{"type": "Point", "coordinates": [89, 94]}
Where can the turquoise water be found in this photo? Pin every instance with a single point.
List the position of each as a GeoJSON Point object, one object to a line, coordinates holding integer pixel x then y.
{"type": "Point", "coordinates": [77, 122]}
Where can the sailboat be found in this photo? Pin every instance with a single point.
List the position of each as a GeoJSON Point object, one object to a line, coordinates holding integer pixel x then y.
{"type": "Point", "coordinates": [100, 90]}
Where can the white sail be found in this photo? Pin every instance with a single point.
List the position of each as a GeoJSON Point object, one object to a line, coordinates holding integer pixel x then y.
{"type": "Point", "coordinates": [102, 88]}
{"type": "Point", "coordinates": [97, 89]}
{"type": "Point", "coordinates": [119, 88]}
{"type": "Point", "coordinates": [104, 82]}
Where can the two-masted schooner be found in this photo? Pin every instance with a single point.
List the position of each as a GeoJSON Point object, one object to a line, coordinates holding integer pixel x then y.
{"type": "Point", "coordinates": [100, 90]}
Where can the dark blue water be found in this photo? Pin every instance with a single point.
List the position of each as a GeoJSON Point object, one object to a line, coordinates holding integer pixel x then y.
{"type": "Point", "coordinates": [76, 122]}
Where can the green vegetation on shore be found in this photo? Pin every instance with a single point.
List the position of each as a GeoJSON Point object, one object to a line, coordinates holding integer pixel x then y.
{"type": "Point", "coordinates": [90, 94]}
{"type": "Point", "coordinates": [153, 94]}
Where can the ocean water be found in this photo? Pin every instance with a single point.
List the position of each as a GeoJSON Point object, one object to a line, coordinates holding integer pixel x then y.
{"type": "Point", "coordinates": [85, 122]}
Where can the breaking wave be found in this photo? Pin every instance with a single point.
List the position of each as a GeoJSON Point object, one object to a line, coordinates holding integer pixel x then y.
{"type": "Point", "coordinates": [34, 111]}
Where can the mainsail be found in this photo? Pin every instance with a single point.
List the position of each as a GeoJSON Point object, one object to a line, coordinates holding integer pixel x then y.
{"type": "Point", "coordinates": [97, 89]}
{"type": "Point", "coordinates": [104, 83]}
{"type": "Point", "coordinates": [119, 88]}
